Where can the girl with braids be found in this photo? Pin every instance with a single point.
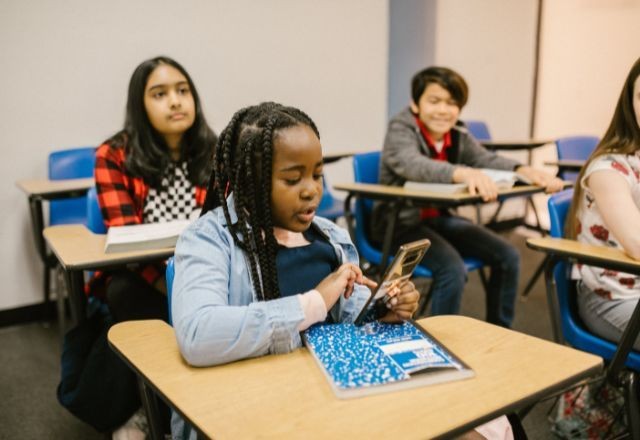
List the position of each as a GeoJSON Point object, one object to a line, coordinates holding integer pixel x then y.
{"type": "Point", "coordinates": [258, 266]}
{"type": "Point", "coordinates": [606, 211]}
{"type": "Point", "coordinates": [153, 170]}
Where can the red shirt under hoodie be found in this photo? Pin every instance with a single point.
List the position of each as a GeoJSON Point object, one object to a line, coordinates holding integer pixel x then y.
{"type": "Point", "coordinates": [441, 155]}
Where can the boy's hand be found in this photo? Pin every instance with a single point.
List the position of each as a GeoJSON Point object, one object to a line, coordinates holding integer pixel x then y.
{"type": "Point", "coordinates": [403, 303]}
{"type": "Point", "coordinates": [477, 183]}
{"type": "Point", "coordinates": [550, 182]}
{"type": "Point", "coordinates": [342, 281]}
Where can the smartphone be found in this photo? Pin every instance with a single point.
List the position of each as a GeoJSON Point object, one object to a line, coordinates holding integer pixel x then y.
{"type": "Point", "coordinates": [401, 268]}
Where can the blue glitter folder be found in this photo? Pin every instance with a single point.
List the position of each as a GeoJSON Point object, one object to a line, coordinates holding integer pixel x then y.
{"type": "Point", "coordinates": [376, 357]}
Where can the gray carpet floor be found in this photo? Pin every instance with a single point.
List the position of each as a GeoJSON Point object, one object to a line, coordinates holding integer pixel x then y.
{"type": "Point", "coordinates": [30, 367]}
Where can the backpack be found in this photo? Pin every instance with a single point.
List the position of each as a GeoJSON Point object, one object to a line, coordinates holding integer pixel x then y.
{"type": "Point", "coordinates": [96, 385]}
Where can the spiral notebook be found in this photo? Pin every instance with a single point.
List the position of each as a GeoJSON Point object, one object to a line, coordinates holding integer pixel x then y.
{"type": "Point", "coordinates": [377, 357]}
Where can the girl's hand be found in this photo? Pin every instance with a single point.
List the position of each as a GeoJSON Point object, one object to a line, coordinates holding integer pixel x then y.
{"type": "Point", "coordinates": [477, 182]}
{"type": "Point", "coordinates": [403, 303]}
{"type": "Point", "coordinates": [342, 281]}
{"type": "Point", "coordinates": [550, 183]}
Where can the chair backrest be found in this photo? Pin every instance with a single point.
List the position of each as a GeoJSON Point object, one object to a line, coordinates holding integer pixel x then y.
{"type": "Point", "coordinates": [74, 163]}
{"type": "Point", "coordinates": [329, 206]}
{"type": "Point", "coordinates": [575, 148]}
{"type": "Point", "coordinates": [478, 129]}
{"type": "Point", "coordinates": [95, 221]}
{"type": "Point", "coordinates": [169, 274]}
{"type": "Point", "coordinates": [366, 169]}
{"type": "Point", "coordinates": [573, 330]}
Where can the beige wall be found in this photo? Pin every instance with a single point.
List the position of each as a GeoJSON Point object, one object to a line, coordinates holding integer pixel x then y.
{"type": "Point", "coordinates": [66, 66]}
{"type": "Point", "coordinates": [588, 47]}
{"type": "Point", "coordinates": [491, 43]}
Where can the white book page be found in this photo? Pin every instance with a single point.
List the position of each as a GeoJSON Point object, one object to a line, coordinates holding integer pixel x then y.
{"type": "Point", "coordinates": [145, 232]}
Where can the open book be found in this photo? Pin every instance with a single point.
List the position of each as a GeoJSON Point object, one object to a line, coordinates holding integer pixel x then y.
{"type": "Point", "coordinates": [144, 237]}
{"type": "Point", "coordinates": [377, 357]}
{"type": "Point", "coordinates": [503, 180]}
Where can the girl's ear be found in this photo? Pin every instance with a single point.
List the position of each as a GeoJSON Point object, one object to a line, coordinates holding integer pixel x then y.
{"type": "Point", "coordinates": [414, 108]}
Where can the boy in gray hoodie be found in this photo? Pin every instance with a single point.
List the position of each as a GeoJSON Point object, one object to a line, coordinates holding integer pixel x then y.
{"type": "Point", "coordinates": [427, 143]}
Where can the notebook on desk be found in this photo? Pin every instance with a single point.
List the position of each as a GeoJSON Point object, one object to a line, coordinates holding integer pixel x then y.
{"type": "Point", "coordinates": [377, 358]}
{"type": "Point", "coordinates": [144, 236]}
{"type": "Point", "coordinates": [503, 180]}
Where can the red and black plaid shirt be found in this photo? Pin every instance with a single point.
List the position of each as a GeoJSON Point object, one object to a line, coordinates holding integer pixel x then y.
{"type": "Point", "coordinates": [121, 198]}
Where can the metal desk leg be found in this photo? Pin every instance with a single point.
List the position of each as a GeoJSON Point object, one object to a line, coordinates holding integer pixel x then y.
{"type": "Point", "coordinates": [150, 405]}
{"type": "Point", "coordinates": [552, 299]}
{"type": "Point", "coordinates": [77, 299]}
{"type": "Point", "coordinates": [388, 236]}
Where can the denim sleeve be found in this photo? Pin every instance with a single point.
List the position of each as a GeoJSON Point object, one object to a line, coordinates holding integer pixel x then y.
{"type": "Point", "coordinates": [215, 317]}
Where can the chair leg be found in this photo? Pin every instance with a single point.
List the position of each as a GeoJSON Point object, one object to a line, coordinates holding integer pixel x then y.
{"type": "Point", "coordinates": [534, 278]}
{"type": "Point", "coordinates": [483, 279]}
{"type": "Point", "coordinates": [46, 286]}
{"type": "Point", "coordinates": [423, 302]}
{"type": "Point", "coordinates": [632, 400]}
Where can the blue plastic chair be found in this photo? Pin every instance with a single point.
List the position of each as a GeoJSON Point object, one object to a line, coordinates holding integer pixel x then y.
{"type": "Point", "coordinates": [95, 221]}
{"type": "Point", "coordinates": [366, 169]}
{"type": "Point", "coordinates": [575, 148]}
{"type": "Point", "coordinates": [478, 129]}
{"type": "Point", "coordinates": [170, 273]}
{"type": "Point", "coordinates": [74, 163]}
{"type": "Point", "coordinates": [573, 330]}
{"type": "Point", "coordinates": [575, 333]}
{"type": "Point", "coordinates": [329, 206]}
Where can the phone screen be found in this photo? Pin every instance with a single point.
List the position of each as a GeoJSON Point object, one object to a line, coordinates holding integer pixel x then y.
{"type": "Point", "coordinates": [407, 258]}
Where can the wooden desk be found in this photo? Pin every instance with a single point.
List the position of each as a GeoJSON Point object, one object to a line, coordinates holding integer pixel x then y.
{"type": "Point", "coordinates": [287, 396]}
{"type": "Point", "coordinates": [567, 165]}
{"type": "Point", "coordinates": [515, 145]}
{"type": "Point", "coordinates": [599, 256]}
{"type": "Point", "coordinates": [334, 157]}
{"type": "Point", "coordinates": [78, 249]}
{"type": "Point", "coordinates": [38, 191]}
{"type": "Point", "coordinates": [399, 196]}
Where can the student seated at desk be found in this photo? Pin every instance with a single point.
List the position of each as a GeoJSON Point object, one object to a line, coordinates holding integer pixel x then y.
{"type": "Point", "coordinates": [426, 143]}
{"type": "Point", "coordinates": [606, 211]}
{"type": "Point", "coordinates": [154, 170]}
{"type": "Point", "coordinates": [258, 266]}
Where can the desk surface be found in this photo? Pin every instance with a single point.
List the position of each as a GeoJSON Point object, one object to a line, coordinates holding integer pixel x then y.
{"type": "Point", "coordinates": [287, 396]}
{"type": "Point", "coordinates": [335, 156]}
{"type": "Point", "coordinates": [77, 248]}
{"type": "Point", "coordinates": [527, 144]}
{"type": "Point", "coordinates": [53, 188]}
{"type": "Point", "coordinates": [385, 192]}
{"type": "Point", "coordinates": [567, 164]}
{"type": "Point", "coordinates": [586, 253]}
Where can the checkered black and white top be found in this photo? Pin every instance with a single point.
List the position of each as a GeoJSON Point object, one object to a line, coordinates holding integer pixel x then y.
{"type": "Point", "coordinates": [174, 199]}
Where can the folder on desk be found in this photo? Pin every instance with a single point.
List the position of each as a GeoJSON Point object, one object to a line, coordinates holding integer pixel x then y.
{"type": "Point", "coordinates": [377, 357]}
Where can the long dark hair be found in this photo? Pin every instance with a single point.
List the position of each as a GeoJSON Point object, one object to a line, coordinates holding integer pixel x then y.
{"type": "Point", "coordinates": [147, 154]}
{"type": "Point", "coordinates": [243, 166]}
{"type": "Point", "coordinates": [622, 137]}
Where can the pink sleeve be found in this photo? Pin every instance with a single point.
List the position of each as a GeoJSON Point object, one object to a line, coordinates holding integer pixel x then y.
{"type": "Point", "coordinates": [313, 307]}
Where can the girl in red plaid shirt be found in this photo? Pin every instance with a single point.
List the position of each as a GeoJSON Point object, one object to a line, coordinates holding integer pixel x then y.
{"type": "Point", "coordinates": [154, 170]}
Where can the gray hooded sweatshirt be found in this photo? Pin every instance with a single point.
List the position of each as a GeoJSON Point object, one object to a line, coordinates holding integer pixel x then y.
{"type": "Point", "coordinates": [406, 156]}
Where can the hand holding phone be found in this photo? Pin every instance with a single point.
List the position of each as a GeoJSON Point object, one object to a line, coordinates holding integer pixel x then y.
{"type": "Point", "coordinates": [407, 258]}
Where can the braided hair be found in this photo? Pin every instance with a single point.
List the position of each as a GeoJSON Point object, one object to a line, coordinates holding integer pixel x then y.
{"type": "Point", "coordinates": [242, 166]}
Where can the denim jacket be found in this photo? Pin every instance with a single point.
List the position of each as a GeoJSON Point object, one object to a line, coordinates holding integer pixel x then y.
{"type": "Point", "coordinates": [216, 315]}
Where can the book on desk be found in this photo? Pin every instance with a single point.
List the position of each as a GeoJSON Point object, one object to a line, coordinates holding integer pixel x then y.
{"type": "Point", "coordinates": [503, 180]}
{"type": "Point", "coordinates": [377, 357]}
{"type": "Point", "coordinates": [145, 236]}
